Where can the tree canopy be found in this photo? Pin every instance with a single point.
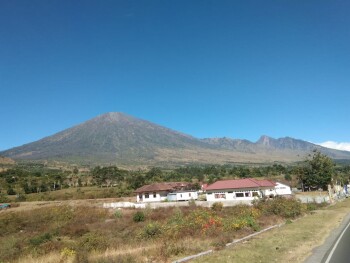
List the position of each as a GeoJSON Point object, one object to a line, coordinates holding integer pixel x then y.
{"type": "Point", "coordinates": [318, 171]}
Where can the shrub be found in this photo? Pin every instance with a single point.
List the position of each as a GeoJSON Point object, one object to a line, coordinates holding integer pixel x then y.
{"type": "Point", "coordinates": [4, 198]}
{"type": "Point", "coordinates": [217, 206]}
{"type": "Point", "coordinates": [67, 252]}
{"type": "Point", "coordinates": [192, 203]}
{"type": "Point", "coordinates": [10, 191]}
{"type": "Point", "coordinates": [21, 198]}
{"type": "Point", "coordinates": [152, 230]}
{"type": "Point", "coordinates": [284, 207]}
{"type": "Point", "coordinates": [36, 241]}
{"type": "Point", "coordinates": [118, 213]}
{"type": "Point", "coordinates": [93, 241]}
{"type": "Point", "coordinates": [139, 216]}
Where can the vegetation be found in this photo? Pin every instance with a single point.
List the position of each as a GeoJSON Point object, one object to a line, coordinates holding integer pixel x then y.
{"type": "Point", "coordinates": [318, 171]}
{"type": "Point", "coordinates": [79, 234]}
{"type": "Point", "coordinates": [82, 233]}
{"type": "Point", "coordinates": [283, 244]}
{"type": "Point", "coordinates": [34, 181]}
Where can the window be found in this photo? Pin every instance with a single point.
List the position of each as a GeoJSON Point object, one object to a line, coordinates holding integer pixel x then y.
{"type": "Point", "coordinates": [140, 196]}
{"type": "Point", "coordinates": [154, 195]}
{"type": "Point", "coordinates": [247, 194]}
{"type": "Point", "coordinates": [220, 196]}
{"type": "Point", "coordinates": [239, 195]}
{"type": "Point", "coordinates": [146, 195]}
{"type": "Point", "coordinates": [255, 194]}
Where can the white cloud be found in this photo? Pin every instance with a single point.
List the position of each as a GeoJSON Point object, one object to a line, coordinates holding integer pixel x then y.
{"type": "Point", "coordinates": [344, 146]}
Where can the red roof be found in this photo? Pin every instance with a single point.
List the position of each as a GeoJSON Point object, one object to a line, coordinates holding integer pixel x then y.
{"type": "Point", "coordinates": [240, 183]}
{"type": "Point", "coordinates": [161, 187]}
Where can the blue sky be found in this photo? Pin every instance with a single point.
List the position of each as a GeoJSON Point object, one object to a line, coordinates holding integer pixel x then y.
{"type": "Point", "coordinates": [239, 69]}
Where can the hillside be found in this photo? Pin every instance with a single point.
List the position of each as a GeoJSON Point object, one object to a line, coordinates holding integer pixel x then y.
{"type": "Point", "coordinates": [122, 139]}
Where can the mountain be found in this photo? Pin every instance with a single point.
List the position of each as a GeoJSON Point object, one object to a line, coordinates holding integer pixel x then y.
{"type": "Point", "coordinates": [118, 138]}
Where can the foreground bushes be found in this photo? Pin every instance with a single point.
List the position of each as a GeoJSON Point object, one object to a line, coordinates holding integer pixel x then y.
{"type": "Point", "coordinates": [284, 207]}
{"type": "Point", "coordinates": [76, 232]}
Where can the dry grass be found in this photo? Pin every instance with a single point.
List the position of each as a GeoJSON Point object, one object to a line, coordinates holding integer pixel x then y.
{"type": "Point", "coordinates": [290, 243]}
{"type": "Point", "coordinates": [92, 234]}
{"type": "Point", "coordinates": [53, 257]}
{"type": "Point", "coordinates": [90, 192]}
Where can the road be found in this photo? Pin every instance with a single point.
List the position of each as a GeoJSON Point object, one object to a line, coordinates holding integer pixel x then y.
{"type": "Point", "coordinates": [340, 252]}
{"type": "Point", "coordinates": [336, 248]}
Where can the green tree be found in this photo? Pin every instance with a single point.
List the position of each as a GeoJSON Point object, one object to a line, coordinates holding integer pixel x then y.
{"type": "Point", "coordinates": [318, 171]}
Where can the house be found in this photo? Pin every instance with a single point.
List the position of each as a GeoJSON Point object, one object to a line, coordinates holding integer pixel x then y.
{"type": "Point", "coordinates": [283, 189]}
{"type": "Point", "coordinates": [172, 191]}
{"type": "Point", "coordinates": [240, 189]}
{"type": "Point", "coordinates": [184, 195]}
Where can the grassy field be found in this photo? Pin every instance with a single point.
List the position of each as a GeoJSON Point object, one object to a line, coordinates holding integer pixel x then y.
{"type": "Point", "coordinates": [72, 231]}
{"type": "Point", "coordinates": [74, 193]}
{"type": "Point", "coordinates": [292, 242]}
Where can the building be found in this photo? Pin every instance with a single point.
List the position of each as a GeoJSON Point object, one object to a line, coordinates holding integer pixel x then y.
{"type": "Point", "coordinates": [171, 191]}
{"type": "Point", "coordinates": [184, 195]}
{"type": "Point", "coordinates": [246, 189]}
{"type": "Point", "coordinates": [282, 189]}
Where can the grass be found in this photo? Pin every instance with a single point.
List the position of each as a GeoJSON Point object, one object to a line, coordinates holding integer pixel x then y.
{"type": "Point", "coordinates": [70, 231]}
{"type": "Point", "coordinates": [293, 242]}
{"type": "Point", "coordinates": [78, 193]}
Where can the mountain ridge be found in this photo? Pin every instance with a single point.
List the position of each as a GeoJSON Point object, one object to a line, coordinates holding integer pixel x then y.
{"type": "Point", "coordinates": [120, 138]}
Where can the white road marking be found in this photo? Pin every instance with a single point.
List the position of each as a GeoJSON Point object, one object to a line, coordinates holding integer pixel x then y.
{"type": "Point", "coordinates": [336, 244]}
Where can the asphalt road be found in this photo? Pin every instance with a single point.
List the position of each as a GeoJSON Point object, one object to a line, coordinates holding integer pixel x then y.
{"type": "Point", "coordinates": [336, 248]}
{"type": "Point", "coordinates": [340, 251]}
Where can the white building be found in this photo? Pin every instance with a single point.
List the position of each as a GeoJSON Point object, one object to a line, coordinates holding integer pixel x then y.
{"type": "Point", "coordinates": [172, 191]}
{"type": "Point", "coordinates": [246, 189]}
{"type": "Point", "coordinates": [182, 196]}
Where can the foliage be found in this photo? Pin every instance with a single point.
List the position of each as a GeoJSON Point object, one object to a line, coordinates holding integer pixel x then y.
{"type": "Point", "coordinates": [11, 191]}
{"type": "Point", "coordinates": [93, 241]}
{"type": "Point", "coordinates": [139, 216]}
{"type": "Point", "coordinates": [4, 198]}
{"type": "Point", "coordinates": [284, 207]}
{"type": "Point", "coordinates": [67, 252]}
{"type": "Point", "coordinates": [38, 240]}
{"type": "Point", "coordinates": [152, 230]}
{"type": "Point", "coordinates": [217, 206]}
{"type": "Point", "coordinates": [317, 172]}
{"type": "Point", "coordinates": [118, 213]}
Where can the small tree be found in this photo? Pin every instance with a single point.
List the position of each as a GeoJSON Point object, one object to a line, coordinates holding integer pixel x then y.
{"type": "Point", "coordinates": [318, 171]}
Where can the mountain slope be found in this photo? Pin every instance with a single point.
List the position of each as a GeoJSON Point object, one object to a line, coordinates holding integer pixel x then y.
{"type": "Point", "coordinates": [109, 137]}
{"type": "Point", "coordinates": [122, 139]}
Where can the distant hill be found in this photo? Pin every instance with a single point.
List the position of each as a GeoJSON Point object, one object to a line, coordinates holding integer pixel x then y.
{"type": "Point", "coordinates": [122, 139]}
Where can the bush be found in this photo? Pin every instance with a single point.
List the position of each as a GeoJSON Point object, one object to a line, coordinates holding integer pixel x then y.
{"type": "Point", "coordinates": [139, 216]}
{"type": "Point", "coordinates": [10, 191]}
{"type": "Point", "coordinates": [152, 230]}
{"type": "Point", "coordinates": [4, 198]}
{"type": "Point", "coordinates": [217, 206]}
{"type": "Point", "coordinates": [284, 207]}
{"type": "Point", "coordinates": [21, 198]}
{"type": "Point", "coordinates": [118, 213]}
{"type": "Point", "coordinates": [93, 241]}
{"type": "Point", "coordinates": [36, 241]}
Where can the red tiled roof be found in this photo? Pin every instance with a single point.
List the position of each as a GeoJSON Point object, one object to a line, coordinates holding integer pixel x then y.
{"type": "Point", "coordinates": [240, 183]}
{"type": "Point", "coordinates": [161, 187]}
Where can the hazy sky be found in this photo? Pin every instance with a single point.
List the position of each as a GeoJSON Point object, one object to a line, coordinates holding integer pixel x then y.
{"type": "Point", "coordinates": [233, 68]}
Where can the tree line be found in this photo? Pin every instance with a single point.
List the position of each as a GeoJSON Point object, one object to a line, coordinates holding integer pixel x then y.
{"type": "Point", "coordinates": [316, 172]}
